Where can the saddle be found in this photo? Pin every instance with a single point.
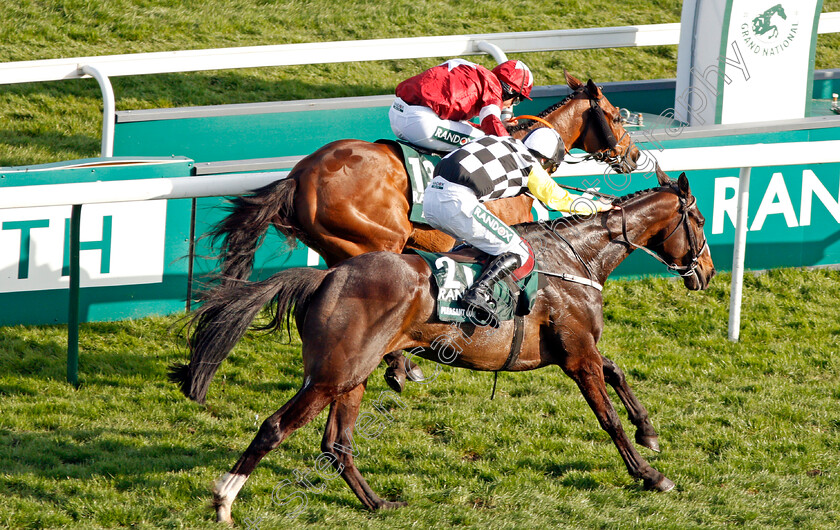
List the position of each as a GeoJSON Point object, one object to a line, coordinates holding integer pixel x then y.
{"type": "Point", "coordinates": [455, 271]}
{"type": "Point", "coordinates": [420, 166]}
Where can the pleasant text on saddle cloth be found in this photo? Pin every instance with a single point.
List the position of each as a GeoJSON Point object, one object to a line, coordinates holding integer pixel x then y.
{"type": "Point", "coordinates": [454, 272]}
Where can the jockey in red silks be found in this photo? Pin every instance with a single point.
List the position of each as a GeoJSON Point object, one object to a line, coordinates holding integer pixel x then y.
{"type": "Point", "coordinates": [432, 109]}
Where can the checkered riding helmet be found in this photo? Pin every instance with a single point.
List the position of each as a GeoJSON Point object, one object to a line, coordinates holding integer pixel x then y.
{"type": "Point", "coordinates": [516, 79]}
{"type": "Point", "coordinates": [546, 143]}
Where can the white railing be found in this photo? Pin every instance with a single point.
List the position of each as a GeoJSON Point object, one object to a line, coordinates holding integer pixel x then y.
{"type": "Point", "coordinates": [101, 68]}
{"type": "Point", "coordinates": [742, 157]}
{"type": "Point", "coordinates": [495, 44]}
{"type": "Point", "coordinates": [349, 51]}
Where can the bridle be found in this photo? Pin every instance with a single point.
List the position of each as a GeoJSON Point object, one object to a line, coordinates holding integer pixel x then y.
{"type": "Point", "coordinates": [681, 270]}
{"type": "Point", "coordinates": [604, 133]}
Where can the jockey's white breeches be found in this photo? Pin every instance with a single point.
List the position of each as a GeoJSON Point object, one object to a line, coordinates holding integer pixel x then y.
{"type": "Point", "coordinates": [421, 126]}
{"type": "Point", "coordinates": [455, 210]}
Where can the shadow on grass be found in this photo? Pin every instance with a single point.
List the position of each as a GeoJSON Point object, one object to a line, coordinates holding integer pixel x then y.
{"type": "Point", "coordinates": [90, 453]}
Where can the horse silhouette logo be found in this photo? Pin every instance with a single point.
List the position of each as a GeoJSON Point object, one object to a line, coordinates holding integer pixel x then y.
{"type": "Point", "coordinates": [770, 33]}
{"type": "Point", "coordinates": [763, 23]}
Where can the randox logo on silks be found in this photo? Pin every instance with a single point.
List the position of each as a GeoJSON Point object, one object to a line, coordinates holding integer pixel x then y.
{"type": "Point", "coordinates": [489, 221]}
{"type": "Point", "coordinates": [771, 32]}
{"type": "Point", "coordinates": [451, 137]}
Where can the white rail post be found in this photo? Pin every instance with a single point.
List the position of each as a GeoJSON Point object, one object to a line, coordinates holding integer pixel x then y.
{"type": "Point", "coordinates": [739, 254]}
{"type": "Point", "coordinates": [109, 108]}
{"type": "Point", "coordinates": [488, 47]}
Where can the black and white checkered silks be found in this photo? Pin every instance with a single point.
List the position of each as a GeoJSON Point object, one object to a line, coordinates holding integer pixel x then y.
{"type": "Point", "coordinates": [485, 169]}
{"type": "Point", "coordinates": [493, 167]}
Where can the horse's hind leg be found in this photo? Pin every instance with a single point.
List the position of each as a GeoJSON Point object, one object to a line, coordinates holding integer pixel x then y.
{"type": "Point", "coordinates": [296, 413]}
{"type": "Point", "coordinates": [645, 433]}
{"type": "Point", "coordinates": [586, 369]}
{"type": "Point", "coordinates": [400, 368]}
{"type": "Point", "coordinates": [338, 443]}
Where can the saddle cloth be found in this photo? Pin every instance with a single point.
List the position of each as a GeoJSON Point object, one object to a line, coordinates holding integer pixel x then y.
{"type": "Point", "coordinates": [420, 167]}
{"type": "Point", "coordinates": [455, 271]}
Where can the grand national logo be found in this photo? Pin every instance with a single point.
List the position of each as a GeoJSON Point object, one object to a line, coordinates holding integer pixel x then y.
{"type": "Point", "coordinates": [771, 32]}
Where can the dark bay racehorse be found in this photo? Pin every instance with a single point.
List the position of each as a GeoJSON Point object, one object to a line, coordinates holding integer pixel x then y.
{"type": "Point", "coordinates": [350, 316]}
{"type": "Point", "coordinates": [351, 197]}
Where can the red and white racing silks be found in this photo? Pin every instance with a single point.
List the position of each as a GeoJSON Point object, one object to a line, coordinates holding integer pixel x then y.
{"type": "Point", "coordinates": [458, 90]}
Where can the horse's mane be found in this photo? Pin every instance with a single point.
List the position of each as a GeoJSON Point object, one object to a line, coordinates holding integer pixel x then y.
{"type": "Point", "coordinates": [546, 112]}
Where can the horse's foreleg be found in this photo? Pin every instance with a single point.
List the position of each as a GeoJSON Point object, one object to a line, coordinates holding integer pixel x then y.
{"type": "Point", "coordinates": [645, 433]}
{"type": "Point", "coordinates": [296, 413]}
{"type": "Point", "coordinates": [587, 371]}
{"type": "Point", "coordinates": [338, 443]}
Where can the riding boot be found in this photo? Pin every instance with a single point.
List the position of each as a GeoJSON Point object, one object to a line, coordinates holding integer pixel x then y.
{"type": "Point", "coordinates": [478, 299]}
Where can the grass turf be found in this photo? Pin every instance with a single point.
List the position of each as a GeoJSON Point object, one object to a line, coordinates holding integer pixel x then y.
{"type": "Point", "coordinates": [748, 430]}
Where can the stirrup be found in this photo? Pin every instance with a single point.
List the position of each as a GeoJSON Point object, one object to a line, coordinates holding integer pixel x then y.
{"type": "Point", "coordinates": [481, 306]}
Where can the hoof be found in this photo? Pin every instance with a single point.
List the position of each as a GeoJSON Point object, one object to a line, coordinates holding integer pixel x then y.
{"type": "Point", "coordinates": [223, 515]}
{"type": "Point", "coordinates": [416, 374]}
{"type": "Point", "coordinates": [651, 442]}
{"type": "Point", "coordinates": [665, 485]}
{"type": "Point", "coordinates": [396, 379]}
{"type": "Point", "coordinates": [391, 505]}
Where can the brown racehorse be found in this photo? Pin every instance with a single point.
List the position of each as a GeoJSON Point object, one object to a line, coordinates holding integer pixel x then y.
{"type": "Point", "coordinates": [351, 197]}
{"type": "Point", "coordinates": [350, 316]}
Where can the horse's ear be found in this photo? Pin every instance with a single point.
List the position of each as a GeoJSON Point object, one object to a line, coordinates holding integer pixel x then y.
{"type": "Point", "coordinates": [682, 183]}
{"type": "Point", "coordinates": [593, 89]}
{"type": "Point", "coordinates": [662, 177]}
{"type": "Point", "coordinates": [573, 82]}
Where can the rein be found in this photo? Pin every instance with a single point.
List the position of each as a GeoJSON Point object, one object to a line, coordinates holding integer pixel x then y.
{"type": "Point", "coordinates": [681, 270]}
{"type": "Point", "coordinates": [533, 118]}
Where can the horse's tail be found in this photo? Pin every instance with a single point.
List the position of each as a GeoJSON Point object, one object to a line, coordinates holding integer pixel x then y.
{"type": "Point", "coordinates": [244, 229]}
{"type": "Point", "coordinates": [226, 314]}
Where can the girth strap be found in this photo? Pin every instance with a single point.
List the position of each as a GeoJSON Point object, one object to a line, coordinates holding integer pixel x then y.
{"type": "Point", "coordinates": [515, 348]}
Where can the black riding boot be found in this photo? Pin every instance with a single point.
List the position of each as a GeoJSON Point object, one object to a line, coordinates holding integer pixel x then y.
{"type": "Point", "coordinates": [481, 306]}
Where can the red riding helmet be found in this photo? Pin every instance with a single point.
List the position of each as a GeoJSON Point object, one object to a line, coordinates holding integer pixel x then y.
{"type": "Point", "coordinates": [516, 78]}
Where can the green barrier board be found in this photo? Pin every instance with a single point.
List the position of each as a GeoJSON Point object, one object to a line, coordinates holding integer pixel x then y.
{"type": "Point", "coordinates": [793, 212]}
{"type": "Point", "coordinates": [132, 254]}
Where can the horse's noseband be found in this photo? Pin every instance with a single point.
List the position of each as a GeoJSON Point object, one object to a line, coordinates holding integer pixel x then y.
{"type": "Point", "coordinates": [682, 270]}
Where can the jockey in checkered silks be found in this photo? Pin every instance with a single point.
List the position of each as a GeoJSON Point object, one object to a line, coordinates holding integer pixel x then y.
{"type": "Point", "coordinates": [433, 109]}
{"type": "Point", "coordinates": [494, 168]}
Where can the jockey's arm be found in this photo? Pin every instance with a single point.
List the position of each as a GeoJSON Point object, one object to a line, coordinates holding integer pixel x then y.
{"type": "Point", "coordinates": [549, 193]}
{"type": "Point", "coordinates": [490, 121]}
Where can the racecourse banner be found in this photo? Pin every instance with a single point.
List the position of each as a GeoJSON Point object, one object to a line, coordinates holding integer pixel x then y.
{"type": "Point", "coordinates": [745, 60]}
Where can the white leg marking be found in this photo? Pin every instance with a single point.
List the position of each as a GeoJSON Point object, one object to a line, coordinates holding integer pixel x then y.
{"type": "Point", "coordinates": [229, 485]}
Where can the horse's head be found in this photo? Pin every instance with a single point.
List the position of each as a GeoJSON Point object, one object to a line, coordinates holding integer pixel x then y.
{"type": "Point", "coordinates": [681, 243]}
{"type": "Point", "coordinates": [602, 133]}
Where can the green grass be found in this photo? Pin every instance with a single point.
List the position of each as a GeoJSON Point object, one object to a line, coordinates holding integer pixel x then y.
{"type": "Point", "coordinates": [48, 122]}
{"type": "Point", "coordinates": [749, 430]}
